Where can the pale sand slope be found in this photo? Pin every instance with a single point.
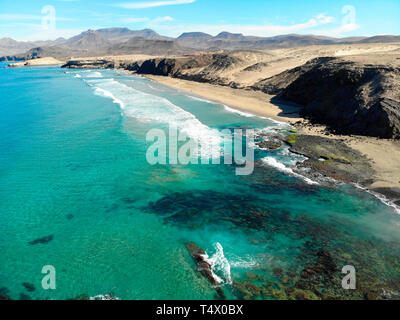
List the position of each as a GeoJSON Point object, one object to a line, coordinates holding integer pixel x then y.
{"type": "Point", "coordinates": [254, 102]}
{"type": "Point", "coordinates": [48, 61]}
{"type": "Point", "coordinates": [258, 65]}
{"type": "Point", "coordinates": [384, 154]}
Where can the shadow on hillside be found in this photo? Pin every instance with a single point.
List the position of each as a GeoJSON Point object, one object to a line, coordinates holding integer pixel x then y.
{"type": "Point", "coordinates": [289, 109]}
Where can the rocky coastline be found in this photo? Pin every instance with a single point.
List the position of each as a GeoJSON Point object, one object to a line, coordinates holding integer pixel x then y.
{"type": "Point", "coordinates": [347, 96]}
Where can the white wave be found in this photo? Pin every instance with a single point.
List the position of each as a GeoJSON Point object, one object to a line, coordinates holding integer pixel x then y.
{"type": "Point", "coordinates": [272, 162]}
{"type": "Point", "coordinates": [104, 297]}
{"type": "Point", "coordinates": [77, 76]}
{"type": "Point", "coordinates": [95, 74]}
{"type": "Point", "coordinates": [240, 263]}
{"type": "Point", "coordinates": [220, 266]}
{"type": "Point", "coordinates": [200, 99]}
{"type": "Point", "coordinates": [151, 108]}
{"type": "Point", "coordinates": [380, 197]}
{"type": "Point", "coordinates": [244, 114]}
{"type": "Point", "coordinates": [108, 94]}
{"type": "Point", "coordinates": [280, 124]}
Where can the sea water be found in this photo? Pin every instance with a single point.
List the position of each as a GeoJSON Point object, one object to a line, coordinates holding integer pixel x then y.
{"type": "Point", "coordinates": [73, 166]}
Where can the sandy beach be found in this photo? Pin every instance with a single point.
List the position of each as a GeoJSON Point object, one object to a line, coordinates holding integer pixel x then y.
{"type": "Point", "coordinates": [254, 102]}
{"type": "Point", "coordinates": [48, 61]}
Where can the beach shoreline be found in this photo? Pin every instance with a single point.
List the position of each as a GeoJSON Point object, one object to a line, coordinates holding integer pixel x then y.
{"type": "Point", "coordinates": [382, 153]}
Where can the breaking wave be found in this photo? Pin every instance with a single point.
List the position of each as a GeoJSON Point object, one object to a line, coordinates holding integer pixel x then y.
{"type": "Point", "coordinates": [272, 162]}
{"type": "Point", "coordinates": [95, 74]}
{"type": "Point", "coordinates": [220, 266]}
{"type": "Point", "coordinates": [380, 197]}
{"type": "Point", "coordinates": [243, 114]}
{"type": "Point", "coordinates": [152, 108]}
{"type": "Point", "coordinates": [104, 297]}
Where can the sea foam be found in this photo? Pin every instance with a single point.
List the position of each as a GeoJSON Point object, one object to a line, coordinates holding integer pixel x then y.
{"type": "Point", "coordinates": [220, 266]}
{"type": "Point", "coordinates": [152, 108]}
{"type": "Point", "coordinates": [272, 162]}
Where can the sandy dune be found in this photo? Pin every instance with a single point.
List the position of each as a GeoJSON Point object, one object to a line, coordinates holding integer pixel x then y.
{"type": "Point", "coordinates": [48, 61]}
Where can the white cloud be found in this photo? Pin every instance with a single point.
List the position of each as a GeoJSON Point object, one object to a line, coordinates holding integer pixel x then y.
{"type": "Point", "coordinates": [150, 22]}
{"type": "Point", "coordinates": [254, 30]}
{"type": "Point", "coordinates": [340, 31]}
{"type": "Point", "coordinates": [162, 19]}
{"type": "Point", "coordinates": [143, 5]}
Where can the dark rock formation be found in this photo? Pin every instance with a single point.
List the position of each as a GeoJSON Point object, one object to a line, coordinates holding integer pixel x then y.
{"type": "Point", "coordinates": [82, 297]}
{"type": "Point", "coordinates": [203, 266]}
{"type": "Point", "coordinates": [270, 144]}
{"type": "Point", "coordinates": [350, 97]}
{"type": "Point", "coordinates": [24, 296]}
{"type": "Point", "coordinates": [170, 66]}
{"type": "Point", "coordinates": [29, 286]}
{"type": "Point", "coordinates": [43, 240]}
{"type": "Point", "coordinates": [332, 158]}
{"type": "Point", "coordinates": [246, 290]}
{"type": "Point", "coordinates": [208, 68]}
{"type": "Point", "coordinates": [88, 64]}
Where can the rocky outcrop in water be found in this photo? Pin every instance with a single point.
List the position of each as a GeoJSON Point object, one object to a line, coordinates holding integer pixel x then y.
{"type": "Point", "coordinates": [332, 158]}
{"type": "Point", "coordinates": [43, 240]}
{"type": "Point", "coordinates": [351, 97]}
{"type": "Point", "coordinates": [204, 267]}
{"type": "Point", "coordinates": [89, 64]}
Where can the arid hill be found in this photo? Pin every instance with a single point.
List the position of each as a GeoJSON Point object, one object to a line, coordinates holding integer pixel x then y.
{"type": "Point", "coordinates": [353, 95]}
{"type": "Point", "coordinates": [120, 40]}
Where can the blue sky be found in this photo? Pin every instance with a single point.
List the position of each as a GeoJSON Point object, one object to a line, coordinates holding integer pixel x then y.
{"type": "Point", "coordinates": [23, 19]}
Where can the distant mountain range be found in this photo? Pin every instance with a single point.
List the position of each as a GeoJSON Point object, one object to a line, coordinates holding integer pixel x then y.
{"type": "Point", "coordinates": [147, 41]}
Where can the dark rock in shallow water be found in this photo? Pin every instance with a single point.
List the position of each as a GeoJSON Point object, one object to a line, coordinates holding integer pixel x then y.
{"type": "Point", "coordinates": [128, 200]}
{"type": "Point", "coordinates": [193, 209]}
{"type": "Point", "coordinates": [43, 240]}
{"type": "Point", "coordinates": [270, 144]}
{"type": "Point", "coordinates": [246, 290]}
{"type": "Point", "coordinates": [390, 193]}
{"type": "Point", "coordinates": [204, 267]}
{"type": "Point", "coordinates": [4, 290]}
{"type": "Point", "coordinates": [90, 64]}
{"type": "Point", "coordinates": [81, 297]}
{"type": "Point", "coordinates": [29, 286]}
{"type": "Point", "coordinates": [321, 273]}
{"type": "Point", "coordinates": [332, 158]}
{"type": "Point", "coordinates": [3, 296]}
{"type": "Point", "coordinates": [114, 207]}
{"type": "Point", "coordinates": [24, 296]}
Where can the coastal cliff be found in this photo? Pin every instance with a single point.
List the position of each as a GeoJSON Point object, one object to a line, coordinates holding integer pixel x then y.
{"type": "Point", "coordinates": [357, 95]}
{"type": "Point", "coordinates": [350, 102]}
{"type": "Point", "coordinates": [351, 97]}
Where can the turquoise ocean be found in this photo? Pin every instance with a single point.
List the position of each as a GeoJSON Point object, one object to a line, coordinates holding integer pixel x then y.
{"type": "Point", "coordinates": [73, 167]}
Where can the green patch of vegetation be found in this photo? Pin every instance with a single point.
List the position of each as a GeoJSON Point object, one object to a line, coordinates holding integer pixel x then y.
{"type": "Point", "coordinates": [291, 139]}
